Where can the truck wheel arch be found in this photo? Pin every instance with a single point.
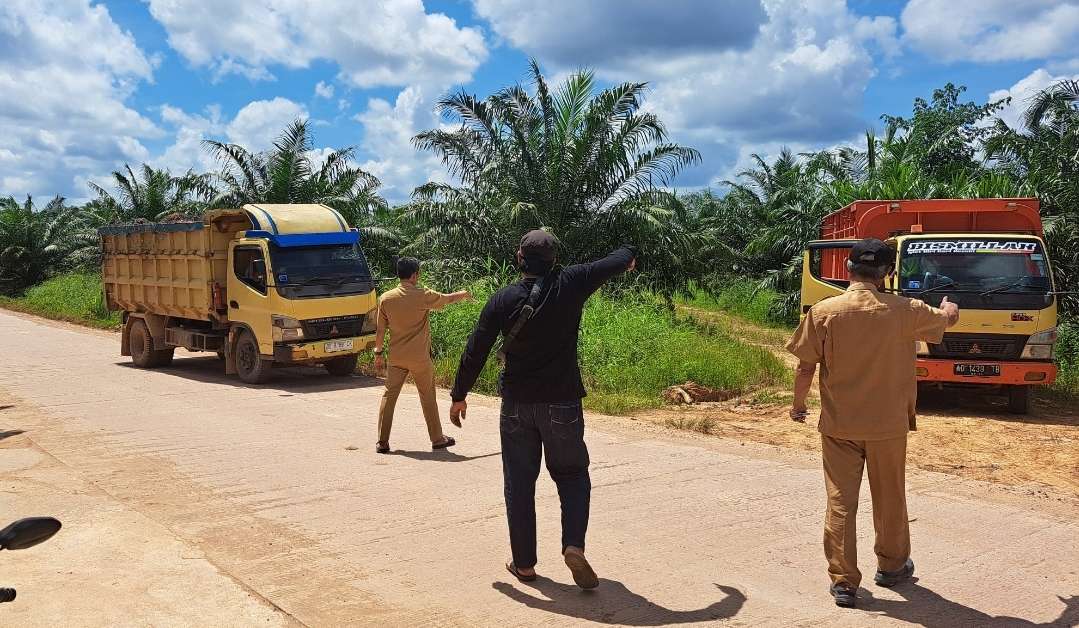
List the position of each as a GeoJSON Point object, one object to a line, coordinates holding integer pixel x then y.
{"type": "Point", "coordinates": [230, 345]}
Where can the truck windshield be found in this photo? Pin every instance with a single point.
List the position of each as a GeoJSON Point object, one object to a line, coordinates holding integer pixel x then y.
{"type": "Point", "coordinates": [1006, 270]}
{"type": "Point", "coordinates": [319, 271]}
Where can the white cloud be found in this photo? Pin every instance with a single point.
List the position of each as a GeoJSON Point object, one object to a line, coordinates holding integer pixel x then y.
{"type": "Point", "coordinates": [394, 43]}
{"type": "Point", "coordinates": [388, 131]}
{"type": "Point", "coordinates": [1022, 92]}
{"type": "Point", "coordinates": [67, 70]}
{"type": "Point", "coordinates": [260, 122]}
{"type": "Point", "coordinates": [324, 90]}
{"type": "Point", "coordinates": [799, 80]}
{"type": "Point", "coordinates": [991, 30]}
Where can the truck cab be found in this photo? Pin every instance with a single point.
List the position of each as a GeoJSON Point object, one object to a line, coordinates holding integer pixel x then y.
{"type": "Point", "coordinates": [985, 255]}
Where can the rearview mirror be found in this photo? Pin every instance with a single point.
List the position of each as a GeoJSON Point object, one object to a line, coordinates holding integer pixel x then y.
{"type": "Point", "coordinates": [28, 532]}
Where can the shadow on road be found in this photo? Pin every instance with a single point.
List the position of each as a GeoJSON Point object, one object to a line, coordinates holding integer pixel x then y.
{"type": "Point", "coordinates": [293, 379]}
{"type": "Point", "coordinates": [9, 433]}
{"type": "Point", "coordinates": [923, 607]}
{"type": "Point", "coordinates": [442, 455]}
{"type": "Point", "coordinates": [613, 603]}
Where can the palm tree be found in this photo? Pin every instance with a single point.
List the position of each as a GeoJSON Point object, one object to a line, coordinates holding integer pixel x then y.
{"type": "Point", "coordinates": [35, 245]}
{"type": "Point", "coordinates": [285, 174]}
{"type": "Point", "coordinates": [587, 164]}
{"type": "Point", "coordinates": [1046, 156]}
{"type": "Point", "coordinates": [155, 196]}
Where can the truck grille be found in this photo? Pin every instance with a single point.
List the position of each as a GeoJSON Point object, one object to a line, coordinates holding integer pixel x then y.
{"type": "Point", "coordinates": [332, 327]}
{"type": "Point", "coordinates": [972, 347]}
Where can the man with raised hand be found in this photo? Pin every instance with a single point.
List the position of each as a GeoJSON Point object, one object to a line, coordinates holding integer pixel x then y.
{"type": "Point", "coordinates": [404, 311]}
{"type": "Point", "coordinates": [864, 341]}
{"type": "Point", "coordinates": [540, 319]}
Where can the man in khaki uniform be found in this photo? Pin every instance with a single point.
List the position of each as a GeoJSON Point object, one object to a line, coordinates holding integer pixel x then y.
{"type": "Point", "coordinates": [403, 311]}
{"type": "Point", "coordinates": [864, 341]}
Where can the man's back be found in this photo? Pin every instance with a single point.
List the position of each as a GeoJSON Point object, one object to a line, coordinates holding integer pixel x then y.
{"type": "Point", "coordinates": [541, 363]}
{"type": "Point", "coordinates": [405, 309]}
{"type": "Point", "coordinates": [864, 341]}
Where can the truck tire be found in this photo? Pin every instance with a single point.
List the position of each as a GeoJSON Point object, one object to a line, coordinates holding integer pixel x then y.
{"type": "Point", "coordinates": [1019, 399]}
{"type": "Point", "coordinates": [342, 366]}
{"type": "Point", "coordinates": [143, 353]}
{"type": "Point", "coordinates": [250, 366]}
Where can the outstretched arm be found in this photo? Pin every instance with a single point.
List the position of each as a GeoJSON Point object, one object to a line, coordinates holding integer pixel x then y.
{"type": "Point", "coordinates": [592, 276]}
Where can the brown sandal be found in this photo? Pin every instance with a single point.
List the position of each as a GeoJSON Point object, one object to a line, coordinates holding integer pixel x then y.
{"type": "Point", "coordinates": [517, 574]}
{"type": "Point", "coordinates": [382, 448]}
{"type": "Point", "coordinates": [446, 442]}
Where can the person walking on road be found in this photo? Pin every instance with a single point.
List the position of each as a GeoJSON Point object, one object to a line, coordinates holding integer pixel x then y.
{"type": "Point", "coordinates": [403, 311]}
{"type": "Point", "coordinates": [540, 319]}
{"type": "Point", "coordinates": [864, 341]}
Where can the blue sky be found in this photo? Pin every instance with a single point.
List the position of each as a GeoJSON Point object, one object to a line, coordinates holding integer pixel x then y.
{"type": "Point", "coordinates": [88, 86]}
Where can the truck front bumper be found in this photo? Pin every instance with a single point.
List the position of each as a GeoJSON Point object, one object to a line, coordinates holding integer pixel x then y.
{"type": "Point", "coordinates": [1011, 373]}
{"type": "Point", "coordinates": [318, 350]}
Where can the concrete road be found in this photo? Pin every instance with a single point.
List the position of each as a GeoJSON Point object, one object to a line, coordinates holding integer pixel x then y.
{"type": "Point", "coordinates": [190, 499]}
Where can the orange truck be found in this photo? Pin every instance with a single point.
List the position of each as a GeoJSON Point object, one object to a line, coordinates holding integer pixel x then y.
{"type": "Point", "coordinates": [986, 255]}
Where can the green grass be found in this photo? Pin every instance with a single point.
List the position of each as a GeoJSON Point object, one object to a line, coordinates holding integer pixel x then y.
{"type": "Point", "coordinates": [630, 351]}
{"type": "Point", "coordinates": [740, 297]}
{"type": "Point", "coordinates": [1067, 383]}
{"type": "Point", "coordinates": [75, 297]}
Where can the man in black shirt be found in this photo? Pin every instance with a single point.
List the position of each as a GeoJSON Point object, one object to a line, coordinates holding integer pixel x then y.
{"type": "Point", "coordinates": [541, 393]}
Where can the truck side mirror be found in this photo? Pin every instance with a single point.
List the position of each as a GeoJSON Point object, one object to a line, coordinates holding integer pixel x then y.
{"type": "Point", "coordinates": [258, 273]}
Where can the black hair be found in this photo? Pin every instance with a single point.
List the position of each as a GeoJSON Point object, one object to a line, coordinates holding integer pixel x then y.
{"type": "Point", "coordinates": [534, 265]}
{"type": "Point", "coordinates": [869, 271]}
{"type": "Point", "coordinates": [407, 266]}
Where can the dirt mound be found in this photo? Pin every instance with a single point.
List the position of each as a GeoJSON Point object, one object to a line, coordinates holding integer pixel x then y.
{"type": "Point", "coordinates": [692, 392]}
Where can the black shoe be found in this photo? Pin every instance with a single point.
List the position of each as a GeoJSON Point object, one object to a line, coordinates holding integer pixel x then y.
{"type": "Point", "coordinates": [446, 442]}
{"type": "Point", "coordinates": [844, 594]}
{"type": "Point", "coordinates": [891, 578]}
{"type": "Point", "coordinates": [382, 448]}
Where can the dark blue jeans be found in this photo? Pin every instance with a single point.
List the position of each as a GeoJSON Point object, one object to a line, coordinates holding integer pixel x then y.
{"type": "Point", "coordinates": [556, 429]}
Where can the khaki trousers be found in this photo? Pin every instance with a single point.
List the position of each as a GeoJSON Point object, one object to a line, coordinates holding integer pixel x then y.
{"type": "Point", "coordinates": [886, 462]}
{"type": "Point", "coordinates": [424, 375]}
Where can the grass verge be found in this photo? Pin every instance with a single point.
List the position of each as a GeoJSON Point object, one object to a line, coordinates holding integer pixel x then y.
{"type": "Point", "coordinates": [74, 297]}
{"type": "Point", "coordinates": [630, 351]}
{"type": "Point", "coordinates": [742, 298]}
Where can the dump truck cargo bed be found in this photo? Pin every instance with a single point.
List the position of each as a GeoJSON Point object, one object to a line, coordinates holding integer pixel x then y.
{"type": "Point", "coordinates": [170, 269]}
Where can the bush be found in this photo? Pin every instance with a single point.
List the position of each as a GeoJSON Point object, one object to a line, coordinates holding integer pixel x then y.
{"type": "Point", "coordinates": [630, 351]}
{"type": "Point", "coordinates": [1068, 358]}
{"type": "Point", "coordinates": [73, 297]}
{"type": "Point", "coordinates": [740, 297]}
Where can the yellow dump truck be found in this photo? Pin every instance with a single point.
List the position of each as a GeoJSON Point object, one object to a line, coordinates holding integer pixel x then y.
{"type": "Point", "coordinates": [261, 285]}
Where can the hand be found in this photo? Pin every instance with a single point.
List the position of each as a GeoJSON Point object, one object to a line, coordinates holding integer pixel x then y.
{"type": "Point", "coordinates": [799, 412]}
{"type": "Point", "coordinates": [632, 265]}
{"type": "Point", "coordinates": [457, 412]}
{"type": "Point", "coordinates": [951, 309]}
{"type": "Point", "coordinates": [380, 362]}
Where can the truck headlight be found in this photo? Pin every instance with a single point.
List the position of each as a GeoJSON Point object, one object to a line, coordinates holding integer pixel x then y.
{"type": "Point", "coordinates": [1040, 345]}
{"type": "Point", "coordinates": [286, 328]}
{"type": "Point", "coordinates": [921, 347]}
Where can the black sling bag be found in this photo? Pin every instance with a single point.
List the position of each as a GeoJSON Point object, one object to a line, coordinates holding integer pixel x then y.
{"type": "Point", "coordinates": [527, 311]}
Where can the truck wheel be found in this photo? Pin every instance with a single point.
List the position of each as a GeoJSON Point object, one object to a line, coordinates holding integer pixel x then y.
{"type": "Point", "coordinates": [250, 366]}
{"type": "Point", "coordinates": [1019, 399]}
{"type": "Point", "coordinates": [342, 366]}
{"type": "Point", "coordinates": [143, 353]}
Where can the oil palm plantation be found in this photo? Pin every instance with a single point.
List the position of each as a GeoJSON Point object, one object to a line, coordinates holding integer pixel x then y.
{"type": "Point", "coordinates": [150, 195]}
{"type": "Point", "coordinates": [287, 174]}
{"type": "Point", "coordinates": [586, 163]}
{"type": "Point", "coordinates": [37, 244]}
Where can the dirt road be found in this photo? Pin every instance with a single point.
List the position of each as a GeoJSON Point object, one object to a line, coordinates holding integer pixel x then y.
{"type": "Point", "coordinates": [961, 432]}
{"type": "Point", "coordinates": [189, 499]}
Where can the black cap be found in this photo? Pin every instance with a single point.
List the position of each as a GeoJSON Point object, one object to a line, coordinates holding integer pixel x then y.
{"type": "Point", "coordinates": [538, 244]}
{"type": "Point", "coordinates": [872, 252]}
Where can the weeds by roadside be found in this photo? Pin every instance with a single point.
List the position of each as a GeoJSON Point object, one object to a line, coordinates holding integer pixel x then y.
{"type": "Point", "coordinates": [701, 424]}
{"type": "Point", "coordinates": [74, 297]}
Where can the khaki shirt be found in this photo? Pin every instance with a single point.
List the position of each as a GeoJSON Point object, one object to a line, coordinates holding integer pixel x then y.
{"type": "Point", "coordinates": [864, 342]}
{"type": "Point", "coordinates": [404, 310]}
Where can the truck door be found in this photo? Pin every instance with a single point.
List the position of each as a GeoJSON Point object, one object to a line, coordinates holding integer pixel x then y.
{"type": "Point", "coordinates": [824, 270]}
{"type": "Point", "coordinates": [248, 291]}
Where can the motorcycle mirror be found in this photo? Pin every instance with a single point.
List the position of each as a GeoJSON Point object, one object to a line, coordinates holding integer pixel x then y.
{"type": "Point", "coordinates": [28, 532]}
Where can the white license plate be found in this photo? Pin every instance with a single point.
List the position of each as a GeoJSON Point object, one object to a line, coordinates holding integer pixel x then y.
{"type": "Point", "coordinates": [338, 345]}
